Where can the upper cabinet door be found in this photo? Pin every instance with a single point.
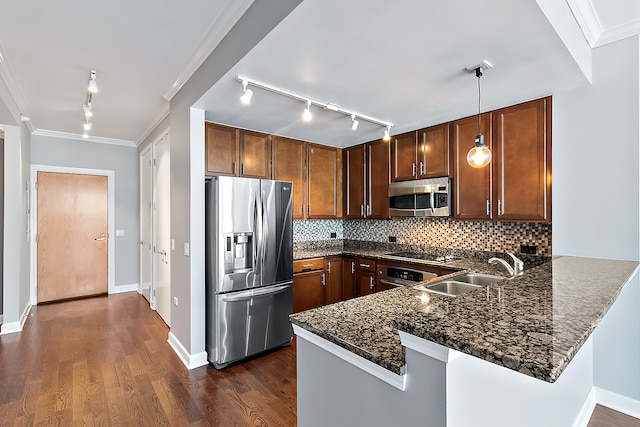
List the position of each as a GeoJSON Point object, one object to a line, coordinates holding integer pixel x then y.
{"type": "Point", "coordinates": [378, 178]}
{"type": "Point", "coordinates": [324, 181]}
{"type": "Point", "coordinates": [522, 161]}
{"type": "Point", "coordinates": [290, 164]}
{"type": "Point", "coordinates": [471, 186]}
{"type": "Point", "coordinates": [221, 150]}
{"type": "Point", "coordinates": [404, 154]}
{"type": "Point", "coordinates": [356, 183]}
{"type": "Point", "coordinates": [433, 151]}
{"type": "Point", "coordinates": [255, 155]}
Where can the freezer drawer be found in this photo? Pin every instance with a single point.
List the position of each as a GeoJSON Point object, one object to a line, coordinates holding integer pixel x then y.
{"type": "Point", "coordinates": [249, 322]}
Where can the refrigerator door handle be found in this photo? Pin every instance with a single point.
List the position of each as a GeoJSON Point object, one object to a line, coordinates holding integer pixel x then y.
{"type": "Point", "coordinates": [247, 295]}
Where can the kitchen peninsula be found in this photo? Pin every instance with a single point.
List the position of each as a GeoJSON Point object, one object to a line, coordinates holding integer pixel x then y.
{"type": "Point", "coordinates": [518, 352]}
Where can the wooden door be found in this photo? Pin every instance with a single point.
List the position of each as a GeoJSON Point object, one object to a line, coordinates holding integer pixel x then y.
{"type": "Point", "coordinates": [472, 187]}
{"type": "Point", "coordinates": [72, 238]}
{"type": "Point", "coordinates": [221, 150]}
{"type": "Point", "coordinates": [333, 280]}
{"type": "Point", "coordinates": [348, 278]}
{"type": "Point", "coordinates": [403, 157]}
{"type": "Point", "coordinates": [433, 151]}
{"type": "Point", "coordinates": [290, 164]}
{"type": "Point", "coordinates": [378, 178]}
{"type": "Point", "coordinates": [146, 222]}
{"type": "Point", "coordinates": [322, 181]}
{"type": "Point", "coordinates": [255, 154]}
{"type": "Point", "coordinates": [522, 161]}
{"type": "Point", "coordinates": [308, 290]}
{"type": "Point", "coordinates": [355, 182]}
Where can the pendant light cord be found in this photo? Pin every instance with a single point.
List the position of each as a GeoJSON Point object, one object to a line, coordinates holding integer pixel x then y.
{"type": "Point", "coordinates": [478, 75]}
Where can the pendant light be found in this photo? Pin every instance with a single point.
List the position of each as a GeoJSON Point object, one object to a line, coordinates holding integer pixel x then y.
{"type": "Point", "coordinates": [480, 155]}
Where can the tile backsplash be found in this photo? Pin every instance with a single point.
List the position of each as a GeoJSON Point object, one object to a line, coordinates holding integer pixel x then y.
{"type": "Point", "coordinates": [433, 232]}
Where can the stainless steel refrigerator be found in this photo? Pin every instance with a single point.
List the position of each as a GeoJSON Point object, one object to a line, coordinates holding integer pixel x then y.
{"type": "Point", "coordinates": [249, 267]}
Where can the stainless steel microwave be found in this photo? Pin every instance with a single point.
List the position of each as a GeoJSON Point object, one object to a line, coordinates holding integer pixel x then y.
{"type": "Point", "coordinates": [420, 198]}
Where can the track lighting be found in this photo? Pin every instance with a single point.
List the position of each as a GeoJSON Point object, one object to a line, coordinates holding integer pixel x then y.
{"type": "Point", "coordinates": [92, 82]}
{"type": "Point", "coordinates": [306, 115]}
{"type": "Point", "coordinates": [87, 125]}
{"type": "Point", "coordinates": [87, 109]}
{"type": "Point", "coordinates": [480, 155]}
{"type": "Point", "coordinates": [248, 93]}
{"type": "Point", "coordinates": [354, 122]}
{"type": "Point", "coordinates": [387, 134]}
{"type": "Point", "coordinates": [85, 135]}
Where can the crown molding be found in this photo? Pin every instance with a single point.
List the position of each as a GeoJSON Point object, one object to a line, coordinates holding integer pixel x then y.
{"type": "Point", "coordinates": [163, 115]}
{"type": "Point", "coordinates": [229, 16]}
{"type": "Point", "coordinates": [589, 22]}
{"type": "Point", "coordinates": [78, 137]}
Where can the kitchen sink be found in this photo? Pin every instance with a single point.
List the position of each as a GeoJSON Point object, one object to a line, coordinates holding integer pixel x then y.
{"type": "Point", "coordinates": [458, 285]}
{"type": "Point", "coordinates": [450, 287]}
{"type": "Point", "coordinates": [477, 279]}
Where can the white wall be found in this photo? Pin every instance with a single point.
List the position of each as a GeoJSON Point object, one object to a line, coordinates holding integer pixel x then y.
{"type": "Point", "coordinates": [596, 197]}
{"type": "Point", "coordinates": [595, 159]}
{"type": "Point", "coordinates": [124, 162]}
{"type": "Point", "coordinates": [16, 246]}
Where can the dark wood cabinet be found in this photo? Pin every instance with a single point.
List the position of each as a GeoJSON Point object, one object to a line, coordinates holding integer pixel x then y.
{"type": "Point", "coordinates": [290, 164]}
{"type": "Point", "coordinates": [421, 154]}
{"type": "Point", "coordinates": [516, 185]}
{"type": "Point", "coordinates": [367, 180]}
{"type": "Point", "coordinates": [333, 281]}
{"type": "Point", "coordinates": [522, 161]}
{"type": "Point", "coordinates": [471, 187]}
{"type": "Point", "coordinates": [309, 284]}
{"type": "Point", "coordinates": [365, 276]}
{"type": "Point", "coordinates": [324, 182]}
{"type": "Point", "coordinates": [433, 151]}
{"type": "Point", "coordinates": [404, 152]}
{"type": "Point", "coordinates": [348, 278]}
{"type": "Point", "coordinates": [235, 152]}
{"type": "Point", "coordinates": [255, 155]}
{"type": "Point", "coordinates": [355, 181]}
{"type": "Point", "coordinates": [221, 149]}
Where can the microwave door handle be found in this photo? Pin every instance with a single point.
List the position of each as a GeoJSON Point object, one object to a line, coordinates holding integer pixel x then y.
{"type": "Point", "coordinates": [433, 200]}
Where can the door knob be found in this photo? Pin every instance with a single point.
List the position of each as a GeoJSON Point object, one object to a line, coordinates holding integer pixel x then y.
{"type": "Point", "coordinates": [101, 238]}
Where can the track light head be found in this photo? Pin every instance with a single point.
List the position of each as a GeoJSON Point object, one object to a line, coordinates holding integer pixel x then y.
{"type": "Point", "coordinates": [306, 115]}
{"type": "Point", "coordinates": [85, 135]}
{"type": "Point", "coordinates": [88, 109]}
{"type": "Point", "coordinates": [92, 82]}
{"type": "Point", "coordinates": [354, 122]}
{"type": "Point", "coordinates": [387, 134]}
{"type": "Point", "coordinates": [87, 125]}
{"type": "Point", "coordinates": [248, 93]}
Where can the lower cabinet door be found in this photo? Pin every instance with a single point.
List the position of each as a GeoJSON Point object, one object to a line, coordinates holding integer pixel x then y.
{"type": "Point", "coordinates": [308, 290]}
{"type": "Point", "coordinates": [366, 283]}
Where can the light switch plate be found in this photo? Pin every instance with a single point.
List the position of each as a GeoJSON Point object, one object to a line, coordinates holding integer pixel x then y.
{"type": "Point", "coordinates": [175, 301]}
{"type": "Point", "coordinates": [173, 244]}
{"type": "Point", "coordinates": [186, 249]}
{"type": "Point", "coordinates": [119, 233]}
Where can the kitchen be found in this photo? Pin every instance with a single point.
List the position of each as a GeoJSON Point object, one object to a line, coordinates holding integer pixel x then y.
{"type": "Point", "coordinates": [582, 117]}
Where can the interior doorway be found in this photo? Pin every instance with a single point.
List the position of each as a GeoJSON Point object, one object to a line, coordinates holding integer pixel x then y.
{"type": "Point", "coordinates": [72, 239]}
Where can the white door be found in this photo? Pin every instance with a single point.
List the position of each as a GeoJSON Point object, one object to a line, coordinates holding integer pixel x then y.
{"type": "Point", "coordinates": [162, 229]}
{"type": "Point", "coordinates": [146, 218]}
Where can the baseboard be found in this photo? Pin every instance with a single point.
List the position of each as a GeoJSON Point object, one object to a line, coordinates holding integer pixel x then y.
{"type": "Point", "coordinates": [189, 360]}
{"type": "Point", "coordinates": [618, 402]}
{"type": "Point", "coordinates": [13, 327]}
{"type": "Point", "coordinates": [125, 288]}
{"type": "Point", "coordinates": [582, 420]}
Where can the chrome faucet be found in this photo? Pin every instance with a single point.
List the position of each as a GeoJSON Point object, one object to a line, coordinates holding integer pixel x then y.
{"type": "Point", "coordinates": [518, 265]}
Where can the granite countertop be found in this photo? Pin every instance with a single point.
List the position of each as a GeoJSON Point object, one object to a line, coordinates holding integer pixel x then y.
{"type": "Point", "coordinates": [534, 323]}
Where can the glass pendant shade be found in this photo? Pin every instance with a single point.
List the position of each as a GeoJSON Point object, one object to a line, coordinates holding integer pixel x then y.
{"type": "Point", "coordinates": [479, 156]}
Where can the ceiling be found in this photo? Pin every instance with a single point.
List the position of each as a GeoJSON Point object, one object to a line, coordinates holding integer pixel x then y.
{"type": "Point", "coordinates": [402, 62]}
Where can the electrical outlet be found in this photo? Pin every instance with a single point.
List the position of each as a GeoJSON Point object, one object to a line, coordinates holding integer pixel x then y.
{"type": "Point", "coordinates": [392, 239]}
{"type": "Point", "coordinates": [333, 234]}
{"type": "Point", "coordinates": [528, 249]}
{"type": "Point", "coordinates": [186, 249]}
{"type": "Point", "coordinates": [175, 301]}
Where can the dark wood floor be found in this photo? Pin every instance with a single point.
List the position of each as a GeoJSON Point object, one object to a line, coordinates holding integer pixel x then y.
{"type": "Point", "coordinates": [105, 361]}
